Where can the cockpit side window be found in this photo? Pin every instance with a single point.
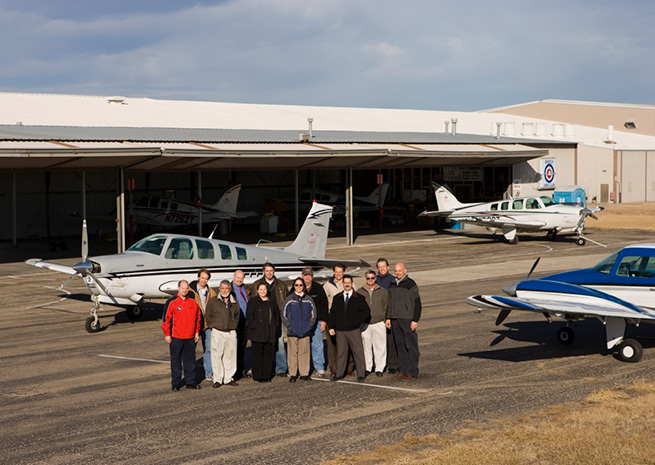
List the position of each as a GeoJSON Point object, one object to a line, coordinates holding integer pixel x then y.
{"type": "Point", "coordinates": [532, 204]}
{"type": "Point", "coordinates": [150, 244]}
{"type": "Point", "coordinates": [548, 201]}
{"type": "Point", "coordinates": [605, 265]}
{"type": "Point", "coordinates": [180, 248]}
{"type": "Point", "coordinates": [493, 207]}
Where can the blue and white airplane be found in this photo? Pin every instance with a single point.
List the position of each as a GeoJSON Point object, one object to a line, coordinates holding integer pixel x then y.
{"type": "Point", "coordinates": [618, 290]}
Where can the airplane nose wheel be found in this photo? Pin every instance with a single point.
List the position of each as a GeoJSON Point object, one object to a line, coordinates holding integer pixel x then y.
{"type": "Point", "coordinates": [630, 351]}
{"type": "Point", "coordinates": [581, 241]}
{"type": "Point", "coordinates": [565, 335]}
{"type": "Point", "coordinates": [92, 324]}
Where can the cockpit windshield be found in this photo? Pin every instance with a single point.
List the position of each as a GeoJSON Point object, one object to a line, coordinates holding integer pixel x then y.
{"type": "Point", "coordinates": [605, 265]}
{"type": "Point", "coordinates": [151, 244]}
{"type": "Point", "coordinates": [548, 201]}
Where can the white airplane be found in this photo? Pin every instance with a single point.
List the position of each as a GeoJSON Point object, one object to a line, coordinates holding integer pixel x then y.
{"type": "Point", "coordinates": [617, 291]}
{"type": "Point", "coordinates": [529, 214]}
{"type": "Point", "coordinates": [162, 212]}
{"type": "Point", "coordinates": [360, 204]}
{"type": "Point", "coordinates": [152, 267]}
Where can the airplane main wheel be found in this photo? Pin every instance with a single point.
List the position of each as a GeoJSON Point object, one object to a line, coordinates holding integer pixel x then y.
{"type": "Point", "coordinates": [134, 312]}
{"type": "Point", "coordinates": [565, 335]}
{"type": "Point", "coordinates": [581, 241]}
{"type": "Point", "coordinates": [515, 240]}
{"type": "Point", "coordinates": [551, 235]}
{"type": "Point", "coordinates": [630, 351]}
{"type": "Point", "coordinates": [92, 325]}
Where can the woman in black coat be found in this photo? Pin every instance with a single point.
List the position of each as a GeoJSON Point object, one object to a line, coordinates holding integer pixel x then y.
{"type": "Point", "coordinates": [263, 321]}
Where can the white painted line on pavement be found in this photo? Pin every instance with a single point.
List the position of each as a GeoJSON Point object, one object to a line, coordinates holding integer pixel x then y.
{"type": "Point", "coordinates": [374, 385]}
{"type": "Point", "coordinates": [133, 359]}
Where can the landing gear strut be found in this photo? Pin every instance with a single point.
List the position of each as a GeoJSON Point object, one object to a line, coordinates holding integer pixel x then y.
{"type": "Point", "coordinates": [92, 324]}
{"type": "Point", "coordinates": [551, 235]}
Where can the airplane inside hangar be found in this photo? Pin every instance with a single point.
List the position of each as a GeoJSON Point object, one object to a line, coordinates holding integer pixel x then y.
{"type": "Point", "coordinates": [52, 177]}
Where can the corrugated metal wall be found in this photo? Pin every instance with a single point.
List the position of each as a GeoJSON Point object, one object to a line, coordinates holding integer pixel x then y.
{"type": "Point", "coordinates": [595, 167]}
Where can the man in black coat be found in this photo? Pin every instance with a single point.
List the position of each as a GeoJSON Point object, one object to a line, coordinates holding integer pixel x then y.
{"type": "Point", "coordinates": [348, 313]}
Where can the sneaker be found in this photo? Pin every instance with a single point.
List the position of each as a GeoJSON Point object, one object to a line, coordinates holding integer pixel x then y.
{"type": "Point", "coordinates": [280, 374]}
{"type": "Point", "coordinates": [209, 378]}
{"type": "Point", "coordinates": [175, 388]}
{"type": "Point", "coordinates": [322, 373]}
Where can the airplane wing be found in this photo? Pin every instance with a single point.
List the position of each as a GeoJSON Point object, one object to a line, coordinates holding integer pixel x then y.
{"type": "Point", "coordinates": [329, 263]}
{"type": "Point", "coordinates": [497, 221]}
{"type": "Point", "coordinates": [490, 220]}
{"type": "Point", "coordinates": [436, 213]}
{"type": "Point", "coordinates": [51, 266]}
{"type": "Point", "coordinates": [562, 298]}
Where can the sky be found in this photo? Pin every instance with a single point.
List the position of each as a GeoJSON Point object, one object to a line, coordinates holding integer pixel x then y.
{"type": "Point", "coordinates": [461, 55]}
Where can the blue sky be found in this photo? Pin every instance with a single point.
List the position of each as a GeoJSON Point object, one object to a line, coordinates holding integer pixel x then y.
{"type": "Point", "coordinates": [435, 55]}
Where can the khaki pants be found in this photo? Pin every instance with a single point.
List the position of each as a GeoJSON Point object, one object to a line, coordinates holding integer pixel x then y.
{"type": "Point", "coordinates": [224, 355]}
{"type": "Point", "coordinates": [298, 355]}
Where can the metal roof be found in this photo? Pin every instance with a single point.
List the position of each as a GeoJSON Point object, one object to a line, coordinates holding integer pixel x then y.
{"type": "Point", "coordinates": [18, 133]}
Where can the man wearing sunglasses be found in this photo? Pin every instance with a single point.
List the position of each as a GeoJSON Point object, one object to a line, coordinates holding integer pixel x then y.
{"type": "Point", "coordinates": [374, 335]}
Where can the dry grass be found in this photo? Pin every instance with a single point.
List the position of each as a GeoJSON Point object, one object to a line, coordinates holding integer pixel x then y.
{"type": "Point", "coordinates": [609, 427]}
{"type": "Point", "coordinates": [625, 216]}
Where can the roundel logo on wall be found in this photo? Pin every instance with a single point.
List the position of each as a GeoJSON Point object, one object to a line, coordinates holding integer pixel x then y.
{"type": "Point", "coordinates": [549, 173]}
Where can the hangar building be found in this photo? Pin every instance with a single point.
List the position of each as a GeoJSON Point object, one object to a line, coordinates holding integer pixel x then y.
{"type": "Point", "coordinates": [63, 157]}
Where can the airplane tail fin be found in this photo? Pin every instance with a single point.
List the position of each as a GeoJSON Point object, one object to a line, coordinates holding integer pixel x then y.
{"type": "Point", "coordinates": [379, 194]}
{"type": "Point", "coordinates": [228, 201]}
{"type": "Point", "coordinates": [446, 200]}
{"type": "Point", "coordinates": [312, 238]}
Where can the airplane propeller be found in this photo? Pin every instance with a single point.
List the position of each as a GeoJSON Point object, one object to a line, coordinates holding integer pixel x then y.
{"type": "Point", "coordinates": [510, 290]}
{"type": "Point", "coordinates": [85, 267]}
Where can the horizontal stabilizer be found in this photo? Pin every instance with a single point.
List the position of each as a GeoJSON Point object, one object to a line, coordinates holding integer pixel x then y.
{"type": "Point", "coordinates": [329, 263]}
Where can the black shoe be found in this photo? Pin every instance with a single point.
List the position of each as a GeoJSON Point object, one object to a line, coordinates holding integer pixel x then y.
{"type": "Point", "coordinates": [393, 371]}
{"type": "Point", "coordinates": [378, 373]}
{"type": "Point", "coordinates": [175, 388]}
{"type": "Point", "coordinates": [336, 378]}
{"type": "Point", "coordinates": [217, 384]}
{"type": "Point", "coordinates": [292, 379]}
{"type": "Point", "coordinates": [192, 386]}
{"type": "Point", "coordinates": [280, 374]}
{"type": "Point", "coordinates": [360, 379]}
{"type": "Point", "coordinates": [305, 378]}
{"type": "Point", "coordinates": [366, 373]}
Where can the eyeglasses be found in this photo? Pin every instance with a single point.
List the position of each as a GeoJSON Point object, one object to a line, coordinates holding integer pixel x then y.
{"type": "Point", "coordinates": [370, 279]}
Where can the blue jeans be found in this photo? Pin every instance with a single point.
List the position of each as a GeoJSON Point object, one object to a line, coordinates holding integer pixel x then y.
{"type": "Point", "coordinates": [318, 351]}
{"type": "Point", "coordinates": [281, 354]}
{"type": "Point", "coordinates": [206, 338]}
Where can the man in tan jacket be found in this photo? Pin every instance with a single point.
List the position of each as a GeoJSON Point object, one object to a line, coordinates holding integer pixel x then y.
{"type": "Point", "coordinates": [222, 317]}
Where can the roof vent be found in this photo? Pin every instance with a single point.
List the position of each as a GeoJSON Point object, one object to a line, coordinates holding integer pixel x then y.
{"type": "Point", "coordinates": [454, 126]}
{"type": "Point", "coordinates": [630, 124]}
{"type": "Point", "coordinates": [116, 99]}
{"type": "Point", "coordinates": [446, 123]}
{"type": "Point", "coordinates": [310, 122]}
{"type": "Point", "coordinates": [304, 137]}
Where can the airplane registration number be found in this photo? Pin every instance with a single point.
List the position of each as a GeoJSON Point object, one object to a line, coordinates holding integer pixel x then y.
{"type": "Point", "coordinates": [178, 219]}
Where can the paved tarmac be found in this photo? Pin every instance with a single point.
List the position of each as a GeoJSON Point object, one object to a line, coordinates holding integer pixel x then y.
{"type": "Point", "coordinates": [71, 397]}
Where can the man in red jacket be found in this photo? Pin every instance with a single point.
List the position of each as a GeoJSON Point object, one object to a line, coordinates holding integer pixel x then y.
{"type": "Point", "coordinates": [181, 327]}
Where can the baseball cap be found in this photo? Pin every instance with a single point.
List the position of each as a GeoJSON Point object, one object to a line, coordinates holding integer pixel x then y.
{"type": "Point", "coordinates": [308, 270]}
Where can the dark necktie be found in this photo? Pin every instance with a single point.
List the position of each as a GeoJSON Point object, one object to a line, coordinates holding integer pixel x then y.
{"type": "Point", "coordinates": [345, 301]}
{"type": "Point", "coordinates": [245, 299]}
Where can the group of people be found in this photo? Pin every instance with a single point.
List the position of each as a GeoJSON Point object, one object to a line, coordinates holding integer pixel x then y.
{"type": "Point", "coordinates": [371, 329]}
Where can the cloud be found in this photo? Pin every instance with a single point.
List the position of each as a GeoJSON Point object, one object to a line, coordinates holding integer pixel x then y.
{"type": "Point", "coordinates": [422, 54]}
